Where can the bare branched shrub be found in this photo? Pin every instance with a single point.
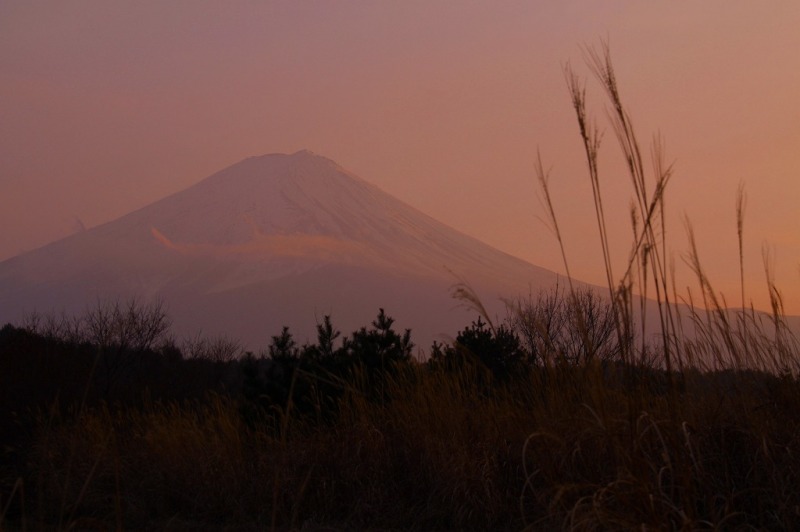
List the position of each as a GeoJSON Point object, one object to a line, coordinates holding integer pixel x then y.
{"type": "Point", "coordinates": [120, 332]}
{"type": "Point", "coordinates": [559, 327]}
{"type": "Point", "coordinates": [131, 325]}
{"type": "Point", "coordinates": [60, 326]}
{"type": "Point", "coordinates": [215, 349]}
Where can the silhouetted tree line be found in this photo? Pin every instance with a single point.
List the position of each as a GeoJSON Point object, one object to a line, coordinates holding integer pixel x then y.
{"type": "Point", "coordinates": [122, 353]}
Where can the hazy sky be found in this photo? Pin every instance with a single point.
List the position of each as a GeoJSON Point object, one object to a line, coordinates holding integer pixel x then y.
{"type": "Point", "coordinates": [108, 106]}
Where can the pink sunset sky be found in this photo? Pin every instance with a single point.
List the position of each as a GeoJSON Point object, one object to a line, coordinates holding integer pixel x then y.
{"type": "Point", "coordinates": [108, 106]}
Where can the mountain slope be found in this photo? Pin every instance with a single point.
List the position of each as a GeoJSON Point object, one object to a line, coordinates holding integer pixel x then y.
{"type": "Point", "coordinates": [270, 241]}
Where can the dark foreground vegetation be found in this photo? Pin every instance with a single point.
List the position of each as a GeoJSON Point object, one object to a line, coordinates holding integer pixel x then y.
{"type": "Point", "coordinates": [125, 429]}
{"type": "Point", "coordinates": [568, 415]}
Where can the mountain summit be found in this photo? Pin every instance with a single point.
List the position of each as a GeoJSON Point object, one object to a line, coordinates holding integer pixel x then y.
{"type": "Point", "coordinates": [270, 241]}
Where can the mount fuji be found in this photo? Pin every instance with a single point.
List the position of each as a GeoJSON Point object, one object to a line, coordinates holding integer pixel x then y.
{"type": "Point", "coordinates": [271, 241]}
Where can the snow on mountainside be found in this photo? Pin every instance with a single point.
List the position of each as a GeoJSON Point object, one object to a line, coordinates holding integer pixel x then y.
{"type": "Point", "coordinates": [272, 240]}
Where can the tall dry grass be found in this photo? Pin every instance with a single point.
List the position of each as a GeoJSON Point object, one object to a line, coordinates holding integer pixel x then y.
{"type": "Point", "coordinates": [561, 447]}
{"type": "Point", "coordinates": [703, 454]}
{"type": "Point", "coordinates": [699, 430]}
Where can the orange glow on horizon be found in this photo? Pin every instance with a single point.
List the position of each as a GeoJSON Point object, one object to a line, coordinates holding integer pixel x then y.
{"type": "Point", "coordinates": [107, 108]}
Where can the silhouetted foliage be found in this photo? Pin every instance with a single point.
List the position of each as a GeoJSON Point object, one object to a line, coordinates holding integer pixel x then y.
{"type": "Point", "coordinates": [309, 381]}
{"type": "Point", "coordinates": [498, 350]}
{"type": "Point", "coordinates": [324, 352]}
{"type": "Point", "coordinates": [379, 347]}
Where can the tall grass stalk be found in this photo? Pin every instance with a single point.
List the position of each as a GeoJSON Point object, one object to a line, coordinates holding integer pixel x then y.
{"type": "Point", "coordinates": [697, 431]}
